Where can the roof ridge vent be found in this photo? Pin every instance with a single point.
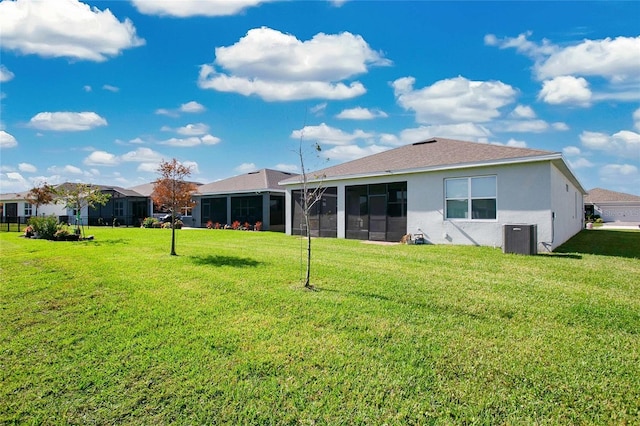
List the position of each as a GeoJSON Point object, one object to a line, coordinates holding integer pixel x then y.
{"type": "Point", "coordinates": [425, 142]}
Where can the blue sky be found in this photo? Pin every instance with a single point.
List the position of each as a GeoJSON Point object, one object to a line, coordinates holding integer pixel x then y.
{"type": "Point", "coordinates": [102, 91]}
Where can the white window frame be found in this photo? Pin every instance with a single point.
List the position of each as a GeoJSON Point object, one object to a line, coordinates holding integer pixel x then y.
{"type": "Point", "coordinates": [469, 199]}
{"type": "Point", "coordinates": [28, 209]}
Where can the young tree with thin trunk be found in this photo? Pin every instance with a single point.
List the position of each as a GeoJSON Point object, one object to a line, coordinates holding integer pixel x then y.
{"type": "Point", "coordinates": [41, 195]}
{"type": "Point", "coordinates": [309, 197]}
{"type": "Point", "coordinates": [77, 196]}
{"type": "Point", "coordinates": [173, 191]}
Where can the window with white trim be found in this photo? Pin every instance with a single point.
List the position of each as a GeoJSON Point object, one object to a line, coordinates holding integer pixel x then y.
{"type": "Point", "coordinates": [28, 209]}
{"type": "Point", "coordinates": [471, 198]}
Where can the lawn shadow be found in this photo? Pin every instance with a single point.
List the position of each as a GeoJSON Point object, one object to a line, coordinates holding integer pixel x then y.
{"type": "Point", "coordinates": [216, 260]}
{"type": "Point", "coordinates": [618, 243]}
{"type": "Point", "coordinates": [562, 255]}
{"type": "Point", "coordinates": [108, 242]}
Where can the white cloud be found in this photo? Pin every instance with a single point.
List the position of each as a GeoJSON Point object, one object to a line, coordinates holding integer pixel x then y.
{"type": "Point", "coordinates": [5, 74]}
{"type": "Point", "coordinates": [192, 165]}
{"type": "Point", "coordinates": [523, 111]}
{"type": "Point", "coordinates": [142, 155]}
{"type": "Point", "coordinates": [210, 140]}
{"type": "Point", "coordinates": [167, 112]}
{"type": "Point", "coordinates": [68, 169]}
{"type": "Point", "coordinates": [246, 168]}
{"type": "Point", "coordinates": [571, 151]}
{"type": "Point", "coordinates": [148, 167]}
{"type": "Point", "coordinates": [620, 174]}
{"type": "Point", "coordinates": [13, 182]}
{"type": "Point", "coordinates": [636, 119]}
{"type": "Point", "coordinates": [523, 45]}
{"type": "Point", "coordinates": [560, 126]}
{"type": "Point", "coordinates": [87, 88]}
{"type": "Point", "coordinates": [329, 135]}
{"type": "Point", "coordinates": [359, 113]}
{"type": "Point", "coordinates": [566, 90]}
{"type": "Point", "coordinates": [7, 140]}
{"type": "Point", "coordinates": [526, 126]}
{"type": "Point", "coordinates": [277, 66]}
{"type": "Point", "coordinates": [101, 158]}
{"type": "Point", "coordinates": [66, 121]}
{"type": "Point", "coordinates": [277, 90]}
{"type": "Point", "coordinates": [580, 163]}
{"type": "Point", "coordinates": [111, 88]}
{"type": "Point", "coordinates": [614, 59]}
{"type": "Point", "coordinates": [196, 129]}
{"type": "Point", "coordinates": [27, 168]}
{"type": "Point", "coordinates": [318, 109]}
{"type": "Point", "coordinates": [516, 143]}
{"type": "Point", "coordinates": [192, 107]}
{"type": "Point", "coordinates": [291, 168]}
{"type": "Point", "coordinates": [623, 144]}
{"type": "Point", "coordinates": [351, 152]}
{"type": "Point", "coordinates": [64, 28]}
{"type": "Point", "coordinates": [186, 8]}
{"type": "Point", "coordinates": [455, 100]}
{"type": "Point", "coordinates": [191, 141]}
{"type": "Point", "coordinates": [463, 131]}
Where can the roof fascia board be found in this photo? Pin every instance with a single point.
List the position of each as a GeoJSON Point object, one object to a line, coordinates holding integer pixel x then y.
{"type": "Point", "coordinates": [245, 191]}
{"type": "Point", "coordinates": [518, 160]}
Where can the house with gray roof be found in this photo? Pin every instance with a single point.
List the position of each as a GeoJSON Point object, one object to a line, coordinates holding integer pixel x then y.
{"type": "Point", "coordinates": [17, 209]}
{"type": "Point", "coordinates": [612, 206]}
{"type": "Point", "coordinates": [449, 191]}
{"type": "Point", "coordinates": [125, 207]}
{"type": "Point", "coordinates": [248, 198]}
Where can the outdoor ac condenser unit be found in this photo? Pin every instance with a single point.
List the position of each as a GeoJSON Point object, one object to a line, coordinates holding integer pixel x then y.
{"type": "Point", "coordinates": [520, 239]}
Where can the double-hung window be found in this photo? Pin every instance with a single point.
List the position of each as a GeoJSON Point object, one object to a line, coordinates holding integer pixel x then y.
{"type": "Point", "coordinates": [28, 209]}
{"type": "Point", "coordinates": [471, 198]}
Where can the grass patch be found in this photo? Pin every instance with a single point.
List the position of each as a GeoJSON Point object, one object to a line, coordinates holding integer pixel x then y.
{"type": "Point", "coordinates": [117, 331]}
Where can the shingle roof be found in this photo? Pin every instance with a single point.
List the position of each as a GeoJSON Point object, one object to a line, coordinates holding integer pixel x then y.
{"type": "Point", "coordinates": [261, 180]}
{"type": "Point", "coordinates": [433, 153]}
{"type": "Point", "coordinates": [599, 195]}
{"type": "Point", "coordinates": [146, 189]}
{"type": "Point", "coordinates": [10, 196]}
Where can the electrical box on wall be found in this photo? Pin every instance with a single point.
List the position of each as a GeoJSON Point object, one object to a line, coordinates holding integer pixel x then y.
{"type": "Point", "coordinates": [520, 239]}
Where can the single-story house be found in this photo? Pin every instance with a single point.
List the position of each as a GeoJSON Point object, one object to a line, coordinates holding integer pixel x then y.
{"type": "Point", "coordinates": [16, 208]}
{"type": "Point", "coordinates": [612, 206]}
{"type": "Point", "coordinates": [125, 206]}
{"type": "Point", "coordinates": [146, 189]}
{"type": "Point", "coordinates": [248, 198]}
{"type": "Point", "coordinates": [450, 191]}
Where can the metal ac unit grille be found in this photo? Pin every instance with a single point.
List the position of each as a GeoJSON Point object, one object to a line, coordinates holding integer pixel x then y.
{"type": "Point", "coordinates": [520, 239]}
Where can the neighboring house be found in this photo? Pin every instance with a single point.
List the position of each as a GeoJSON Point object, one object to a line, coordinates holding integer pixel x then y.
{"type": "Point", "coordinates": [146, 190]}
{"type": "Point", "coordinates": [612, 206]}
{"type": "Point", "coordinates": [16, 208]}
{"type": "Point", "coordinates": [452, 192]}
{"type": "Point", "coordinates": [251, 197]}
{"type": "Point", "coordinates": [125, 207]}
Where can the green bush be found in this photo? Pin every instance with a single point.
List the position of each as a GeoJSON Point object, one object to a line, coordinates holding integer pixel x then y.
{"type": "Point", "coordinates": [44, 226]}
{"type": "Point", "coordinates": [149, 222]}
{"type": "Point", "coordinates": [599, 220]}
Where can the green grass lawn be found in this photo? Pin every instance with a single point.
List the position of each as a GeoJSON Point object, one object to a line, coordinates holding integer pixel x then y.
{"type": "Point", "coordinates": [116, 331]}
